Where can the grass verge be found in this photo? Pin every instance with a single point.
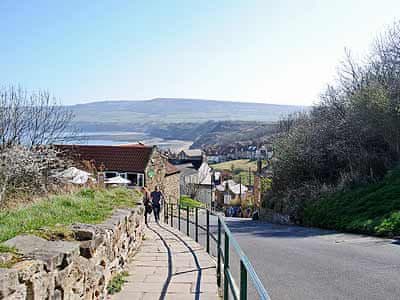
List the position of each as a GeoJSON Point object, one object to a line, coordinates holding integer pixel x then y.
{"type": "Point", "coordinates": [372, 209]}
{"type": "Point", "coordinates": [50, 217]}
{"type": "Point", "coordinates": [189, 202]}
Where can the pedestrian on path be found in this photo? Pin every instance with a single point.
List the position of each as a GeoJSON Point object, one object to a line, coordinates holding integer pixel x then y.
{"type": "Point", "coordinates": [156, 199]}
{"type": "Point", "coordinates": [147, 204]}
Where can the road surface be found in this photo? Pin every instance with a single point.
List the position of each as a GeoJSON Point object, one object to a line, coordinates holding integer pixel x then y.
{"type": "Point", "coordinates": [305, 263]}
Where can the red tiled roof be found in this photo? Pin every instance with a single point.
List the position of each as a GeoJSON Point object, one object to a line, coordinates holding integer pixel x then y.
{"type": "Point", "coordinates": [132, 158]}
{"type": "Point", "coordinates": [171, 169]}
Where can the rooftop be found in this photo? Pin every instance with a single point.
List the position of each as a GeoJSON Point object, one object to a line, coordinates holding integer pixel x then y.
{"type": "Point", "coordinates": [129, 158]}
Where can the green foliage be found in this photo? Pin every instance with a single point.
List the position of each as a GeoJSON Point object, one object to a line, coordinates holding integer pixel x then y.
{"type": "Point", "coordinates": [266, 184]}
{"type": "Point", "coordinates": [372, 209]}
{"type": "Point", "coordinates": [189, 202]}
{"type": "Point", "coordinates": [350, 138]}
{"type": "Point", "coordinates": [87, 193]}
{"type": "Point", "coordinates": [15, 256]}
{"type": "Point", "coordinates": [7, 249]}
{"type": "Point", "coordinates": [116, 283]}
{"type": "Point", "coordinates": [92, 206]}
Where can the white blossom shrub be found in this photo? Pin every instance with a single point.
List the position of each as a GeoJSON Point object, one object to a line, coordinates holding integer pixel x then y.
{"type": "Point", "coordinates": [24, 170]}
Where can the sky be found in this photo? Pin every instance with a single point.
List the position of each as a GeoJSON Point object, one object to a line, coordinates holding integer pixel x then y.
{"type": "Point", "coordinates": [280, 51]}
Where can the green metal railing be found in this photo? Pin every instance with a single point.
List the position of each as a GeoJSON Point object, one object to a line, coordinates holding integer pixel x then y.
{"type": "Point", "coordinates": [225, 237]}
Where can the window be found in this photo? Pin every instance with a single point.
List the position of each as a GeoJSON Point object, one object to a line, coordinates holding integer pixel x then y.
{"type": "Point", "coordinates": [140, 179]}
{"type": "Point", "coordinates": [135, 178]}
{"type": "Point", "coordinates": [227, 198]}
{"type": "Point", "coordinates": [110, 174]}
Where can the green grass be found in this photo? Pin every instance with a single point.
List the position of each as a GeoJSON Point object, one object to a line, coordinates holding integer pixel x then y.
{"type": "Point", "coordinates": [49, 217]}
{"type": "Point", "coordinates": [116, 283]}
{"type": "Point", "coordinates": [189, 202]}
{"type": "Point", "coordinates": [371, 209]}
{"type": "Point", "coordinates": [241, 164]}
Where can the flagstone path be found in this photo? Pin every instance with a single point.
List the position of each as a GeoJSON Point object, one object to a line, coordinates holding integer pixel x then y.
{"type": "Point", "coordinates": [169, 265]}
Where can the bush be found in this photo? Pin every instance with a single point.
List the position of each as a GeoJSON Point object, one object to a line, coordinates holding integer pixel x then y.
{"type": "Point", "coordinates": [372, 209]}
{"type": "Point", "coordinates": [352, 137]}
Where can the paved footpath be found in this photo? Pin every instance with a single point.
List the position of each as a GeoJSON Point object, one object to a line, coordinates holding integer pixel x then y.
{"type": "Point", "coordinates": [169, 265]}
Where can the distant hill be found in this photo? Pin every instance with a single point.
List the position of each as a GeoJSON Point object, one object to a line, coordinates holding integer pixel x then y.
{"type": "Point", "coordinates": [214, 132]}
{"type": "Point", "coordinates": [169, 110]}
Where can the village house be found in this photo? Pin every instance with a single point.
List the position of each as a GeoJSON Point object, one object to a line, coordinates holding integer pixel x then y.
{"type": "Point", "coordinates": [230, 193]}
{"type": "Point", "coordinates": [199, 184]}
{"type": "Point", "coordinates": [194, 156]}
{"type": "Point", "coordinates": [142, 165]}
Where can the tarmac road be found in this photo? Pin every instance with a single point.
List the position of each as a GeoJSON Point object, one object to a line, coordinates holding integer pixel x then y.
{"type": "Point", "coordinates": [307, 263]}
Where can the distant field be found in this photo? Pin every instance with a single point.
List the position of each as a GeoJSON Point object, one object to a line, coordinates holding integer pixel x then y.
{"type": "Point", "coordinates": [240, 169]}
{"type": "Point", "coordinates": [242, 164]}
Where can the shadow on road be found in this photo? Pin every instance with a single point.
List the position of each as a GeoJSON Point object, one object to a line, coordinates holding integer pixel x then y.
{"type": "Point", "coordinates": [265, 229]}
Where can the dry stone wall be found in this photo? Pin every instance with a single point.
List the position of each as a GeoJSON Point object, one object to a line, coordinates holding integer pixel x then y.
{"type": "Point", "coordinates": [79, 269]}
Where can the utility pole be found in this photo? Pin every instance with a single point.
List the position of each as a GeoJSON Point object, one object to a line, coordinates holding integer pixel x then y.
{"type": "Point", "coordinates": [212, 180]}
{"type": "Point", "coordinates": [240, 189]}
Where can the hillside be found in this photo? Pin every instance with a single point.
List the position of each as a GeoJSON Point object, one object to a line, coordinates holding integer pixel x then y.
{"type": "Point", "coordinates": [213, 132]}
{"type": "Point", "coordinates": [371, 209]}
{"type": "Point", "coordinates": [168, 110]}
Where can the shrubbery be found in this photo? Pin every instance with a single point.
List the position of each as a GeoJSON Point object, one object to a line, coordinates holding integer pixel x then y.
{"type": "Point", "coordinates": [372, 209]}
{"type": "Point", "coordinates": [351, 137]}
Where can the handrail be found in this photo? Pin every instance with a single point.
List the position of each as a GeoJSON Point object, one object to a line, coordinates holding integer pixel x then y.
{"type": "Point", "coordinates": [246, 268]}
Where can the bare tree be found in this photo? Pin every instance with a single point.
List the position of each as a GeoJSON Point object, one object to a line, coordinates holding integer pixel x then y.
{"type": "Point", "coordinates": [192, 183]}
{"type": "Point", "coordinates": [31, 118]}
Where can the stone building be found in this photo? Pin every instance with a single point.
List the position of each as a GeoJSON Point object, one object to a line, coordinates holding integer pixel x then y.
{"type": "Point", "coordinates": [142, 165]}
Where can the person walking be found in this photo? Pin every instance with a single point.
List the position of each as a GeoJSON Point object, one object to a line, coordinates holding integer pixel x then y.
{"type": "Point", "coordinates": [156, 199]}
{"type": "Point", "coordinates": [147, 204]}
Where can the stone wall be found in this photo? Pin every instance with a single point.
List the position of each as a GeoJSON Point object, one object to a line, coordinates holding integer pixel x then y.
{"type": "Point", "coordinates": [79, 269]}
{"type": "Point", "coordinates": [156, 167]}
{"type": "Point", "coordinates": [169, 184]}
{"type": "Point", "coordinates": [172, 187]}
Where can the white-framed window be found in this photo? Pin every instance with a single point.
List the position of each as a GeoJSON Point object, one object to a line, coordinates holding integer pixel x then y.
{"type": "Point", "coordinates": [227, 198]}
{"type": "Point", "coordinates": [137, 179]}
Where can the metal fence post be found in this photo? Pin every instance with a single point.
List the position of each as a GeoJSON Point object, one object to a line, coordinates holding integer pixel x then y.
{"type": "Point", "coordinates": [226, 266]}
{"type": "Point", "coordinates": [243, 281]}
{"type": "Point", "coordinates": [187, 220]}
{"type": "Point", "coordinates": [208, 231]}
{"type": "Point", "coordinates": [179, 217]}
{"type": "Point", "coordinates": [219, 277]}
{"type": "Point", "coordinates": [166, 213]}
{"type": "Point", "coordinates": [197, 224]}
{"type": "Point", "coordinates": [172, 215]}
